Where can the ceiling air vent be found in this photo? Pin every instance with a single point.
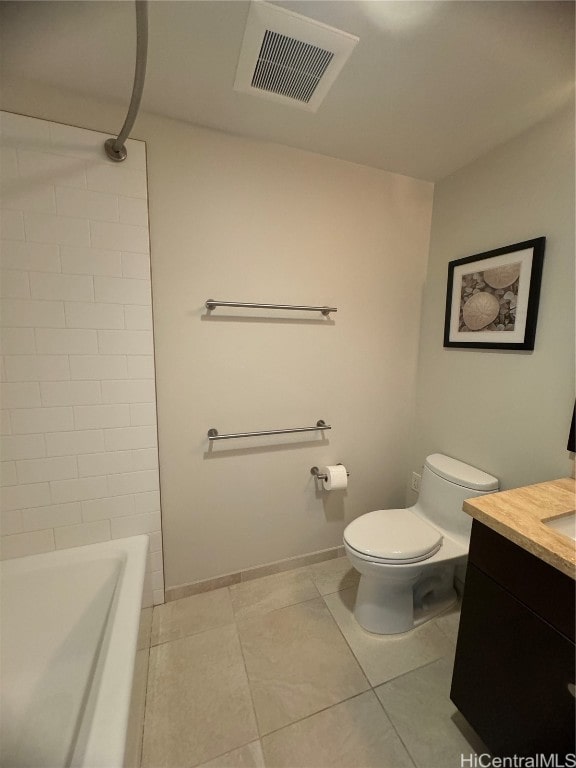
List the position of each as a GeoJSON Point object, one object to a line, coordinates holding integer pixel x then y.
{"type": "Point", "coordinates": [289, 67]}
{"type": "Point", "coordinates": [290, 58]}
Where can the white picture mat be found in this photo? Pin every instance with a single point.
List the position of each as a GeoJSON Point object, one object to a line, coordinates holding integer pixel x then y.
{"type": "Point", "coordinates": [524, 258]}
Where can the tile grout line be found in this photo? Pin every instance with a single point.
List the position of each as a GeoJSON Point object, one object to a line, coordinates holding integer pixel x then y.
{"type": "Point", "coordinates": [310, 577]}
{"type": "Point", "coordinates": [378, 685]}
{"type": "Point", "coordinates": [313, 714]}
{"type": "Point", "coordinates": [246, 671]}
{"type": "Point", "coordinates": [395, 677]}
{"type": "Point", "coordinates": [280, 608]}
{"type": "Point", "coordinates": [346, 639]}
{"type": "Point", "coordinates": [412, 759]}
{"type": "Point", "coordinates": [145, 701]}
{"type": "Point", "coordinates": [324, 709]}
{"type": "Point", "coordinates": [234, 619]}
{"type": "Point", "coordinates": [222, 754]}
{"type": "Point", "coordinates": [189, 634]}
{"type": "Point", "coordinates": [261, 736]}
{"type": "Point", "coordinates": [408, 672]}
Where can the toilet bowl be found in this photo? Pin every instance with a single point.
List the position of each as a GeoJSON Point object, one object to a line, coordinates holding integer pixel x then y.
{"type": "Point", "coordinates": [407, 557]}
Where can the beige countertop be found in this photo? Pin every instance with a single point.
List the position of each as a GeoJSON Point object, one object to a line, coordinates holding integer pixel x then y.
{"type": "Point", "coordinates": [520, 515]}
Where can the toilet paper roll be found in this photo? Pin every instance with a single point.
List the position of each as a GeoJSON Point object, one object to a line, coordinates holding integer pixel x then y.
{"type": "Point", "coordinates": [336, 477]}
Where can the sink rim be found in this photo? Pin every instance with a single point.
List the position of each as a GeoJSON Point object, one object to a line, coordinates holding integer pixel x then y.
{"type": "Point", "coordinates": [564, 524]}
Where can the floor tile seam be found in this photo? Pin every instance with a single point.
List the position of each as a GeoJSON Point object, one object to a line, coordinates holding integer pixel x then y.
{"type": "Point", "coordinates": [289, 605]}
{"type": "Point", "coordinates": [171, 602]}
{"type": "Point", "coordinates": [251, 741]}
{"type": "Point", "coordinates": [313, 714]}
{"type": "Point", "coordinates": [335, 592]}
{"type": "Point", "coordinates": [348, 644]}
{"type": "Point", "coordinates": [311, 577]}
{"type": "Point", "coordinates": [373, 686]}
{"type": "Point", "coordinates": [366, 690]}
{"type": "Point", "coordinates": [409, 672]}
{"type": "Point", "coordinates": [221, 754]}
{"type": "Point", "coordinates": [446, 635]}
{"type": "Point", "coordinates": [408, 752]}
{"type": "Point", "coordinates": [275, 610]}
{"type": "Point", "coordinates": [332, 591]}
{"type": "Point", "coordinates": [145, 708]}
{"type": "Point", "coordinates": [307, 569]}
{"type": "Point", "coordinates": [194, 634]}
{"type": "Point", "coordinates": [312, 582]}
{"type": "Point", "coordinates": [259, 735]}
{"type": "Point", "coordinates": [369, 684]}
{"type": "Point", "coordinates": [449, 639]}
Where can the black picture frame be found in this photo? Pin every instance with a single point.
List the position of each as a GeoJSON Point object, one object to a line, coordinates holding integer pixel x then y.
{"type": "Point", "coordinates": [505, 313]}
{"type": "Point", "coordinates": [571, 446]}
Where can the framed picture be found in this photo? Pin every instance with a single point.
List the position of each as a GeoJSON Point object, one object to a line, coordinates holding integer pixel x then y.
{"type": "Point", "coordinates": [492, 298]}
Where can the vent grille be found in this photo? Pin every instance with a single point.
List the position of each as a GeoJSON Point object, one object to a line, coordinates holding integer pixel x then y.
{"type": "Point", "coordinates": [289, 67]}
{"type": "Point", "coordinates": [288, 58]}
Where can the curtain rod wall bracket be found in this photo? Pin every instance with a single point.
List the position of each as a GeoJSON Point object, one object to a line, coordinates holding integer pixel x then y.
{"type": "Point", "coordinates": [117, 155]}
{"type": "Point", "coordinates": [114, 148]}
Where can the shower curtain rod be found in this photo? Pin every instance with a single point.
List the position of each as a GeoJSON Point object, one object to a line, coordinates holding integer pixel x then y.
{"type": "Point", "coordinates": [115, 148]}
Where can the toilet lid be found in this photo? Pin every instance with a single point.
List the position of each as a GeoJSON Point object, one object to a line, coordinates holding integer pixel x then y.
{"type": "Point", "coordinates": [392, 534]}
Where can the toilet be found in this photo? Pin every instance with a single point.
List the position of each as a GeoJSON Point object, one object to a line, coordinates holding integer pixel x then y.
{"type": "Point", "coordinates": [407, 557]}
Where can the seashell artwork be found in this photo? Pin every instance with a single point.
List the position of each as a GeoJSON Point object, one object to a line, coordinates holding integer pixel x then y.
{"type": "Point", "coordinates": [502, 277]}
{"type": "Point", "coordinates": [496, 310]}
{"type": "Point", "coordinates": [480, 310]}
{"type": "Point", "coordinates": [492, 297]}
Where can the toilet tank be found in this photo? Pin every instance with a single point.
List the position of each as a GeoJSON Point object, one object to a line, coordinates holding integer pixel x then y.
{"type": "Point", "coordinates": [445, 484]}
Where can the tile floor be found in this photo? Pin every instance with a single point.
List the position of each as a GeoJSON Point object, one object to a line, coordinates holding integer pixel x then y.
{"type": "Point", "coordinates": [275, 672]}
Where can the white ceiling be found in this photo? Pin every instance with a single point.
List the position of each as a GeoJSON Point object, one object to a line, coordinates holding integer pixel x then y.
{"type": "Point", "coordinates": [430, 87]}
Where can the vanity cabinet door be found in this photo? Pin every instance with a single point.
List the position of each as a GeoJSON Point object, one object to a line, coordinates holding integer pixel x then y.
{"type": "Point", "coordinates": [513, 673]}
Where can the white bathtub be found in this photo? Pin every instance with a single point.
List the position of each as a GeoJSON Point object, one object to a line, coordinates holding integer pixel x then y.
{"type": "Point", "coordinates": [68, 641]}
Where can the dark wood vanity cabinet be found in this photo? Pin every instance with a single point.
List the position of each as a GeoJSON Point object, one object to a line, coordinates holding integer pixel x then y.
{"type": "Point", "coordinates": [514, 671]}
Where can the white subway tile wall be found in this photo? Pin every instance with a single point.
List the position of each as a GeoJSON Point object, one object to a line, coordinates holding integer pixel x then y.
{"type": "Point", "coordinates": [79, 454]}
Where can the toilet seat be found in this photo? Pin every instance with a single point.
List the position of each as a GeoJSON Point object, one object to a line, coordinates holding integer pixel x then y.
{"type": "Point", "coordinates": [392, 536]}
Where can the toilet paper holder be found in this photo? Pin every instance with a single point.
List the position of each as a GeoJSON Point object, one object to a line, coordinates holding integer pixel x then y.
{"type": "Point", "coordinates": [321, 475]}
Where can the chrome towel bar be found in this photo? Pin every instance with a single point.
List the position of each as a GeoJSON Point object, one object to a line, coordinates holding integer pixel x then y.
{"type": "Point", "coordinates": [320, 425]}
{"type": "Point", "coordinates": [212, 303]}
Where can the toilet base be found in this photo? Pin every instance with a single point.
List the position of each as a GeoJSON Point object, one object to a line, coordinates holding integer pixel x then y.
{"type": "Point", "coordinates": [397, 606]}
{"type": "Point", "coordinates": [384, 617]}
{"type": "Point", "coordinates": [421, 616]}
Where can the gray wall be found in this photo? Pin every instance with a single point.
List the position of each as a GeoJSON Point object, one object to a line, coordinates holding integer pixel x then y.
{"type": "Point", "coordinates": [505, 412]}
{"type": "Point", "coordinates": [245, 220]}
